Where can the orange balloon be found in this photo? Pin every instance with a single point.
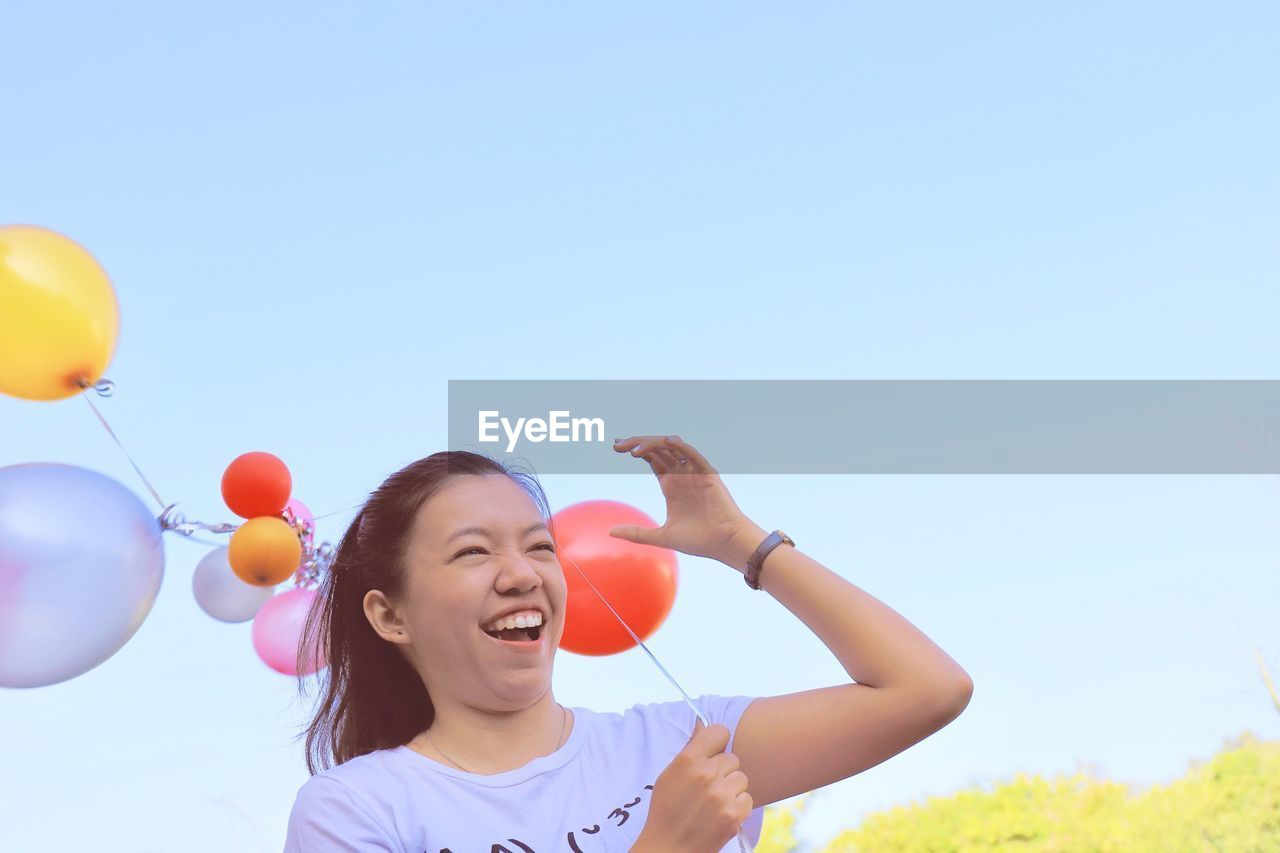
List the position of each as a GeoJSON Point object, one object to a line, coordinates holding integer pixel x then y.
{"type": "Point", "coordinates": [256, 484]}
{"type": "Point", "coordinates": [264, 551]}
{"type": "Point", "coordinates": [638, 580]}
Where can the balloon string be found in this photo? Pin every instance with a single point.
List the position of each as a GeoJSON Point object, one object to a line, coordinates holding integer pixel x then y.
{"type": "Point", "coordinates": [315, 559]}
{"type": "Point", "coordinates": [104, 388]}
{"type": "Point", "coordinates": [173, 520]}
{"type": "Point", "coordinates": [337, 511]}
{"type": "Point", "coordinates": [169, 519]}
{"type": "Point", "coordinates": [742, 841]}
{"type": "Point", "coordinates": [207, 542]}
{"type": "Point", "coordinates": [640, 643]}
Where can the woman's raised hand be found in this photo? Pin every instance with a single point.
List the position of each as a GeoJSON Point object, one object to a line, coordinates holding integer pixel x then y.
{"type": "Point", "coordinates": [702, 518]}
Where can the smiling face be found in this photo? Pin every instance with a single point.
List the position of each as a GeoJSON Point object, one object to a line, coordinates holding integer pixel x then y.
{"type": "Point", "coordinates": [479, 549]}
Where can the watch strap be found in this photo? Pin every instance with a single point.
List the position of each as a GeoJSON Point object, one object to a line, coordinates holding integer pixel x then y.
{"type": "Point", "coordinates": [756, 561]}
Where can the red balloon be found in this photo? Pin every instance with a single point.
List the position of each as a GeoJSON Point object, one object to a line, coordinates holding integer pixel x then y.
{"type": "Point", "coordinates": [256, 484]}
{"type": "Point", "coordinates": [638, 580]}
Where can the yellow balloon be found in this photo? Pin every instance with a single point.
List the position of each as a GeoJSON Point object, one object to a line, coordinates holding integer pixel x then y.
{"type": "Point", "coordinates": [59, 319]}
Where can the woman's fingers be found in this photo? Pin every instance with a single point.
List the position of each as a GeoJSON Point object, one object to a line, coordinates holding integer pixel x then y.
{"type": "Point", "coordinates": [669, 459]}
{"type": "Point", "coordinates": [657, 460]}
{"type": "Point", "coordinates": [636, 445]}
{"type": "Point", "coordinates": [645, 447]}
{"type": "Point", "coordinates": [665, 453]}
{"type": "Point", "coordinates": [695, 461]}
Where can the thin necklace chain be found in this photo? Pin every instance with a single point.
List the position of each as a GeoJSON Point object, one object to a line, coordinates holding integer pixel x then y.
{"type": "Point", "coordinates": [563, 727]}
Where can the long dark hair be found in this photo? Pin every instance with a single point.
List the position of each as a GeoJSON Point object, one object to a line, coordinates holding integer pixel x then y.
{"type": "Point", "coordinates": [372, 697]}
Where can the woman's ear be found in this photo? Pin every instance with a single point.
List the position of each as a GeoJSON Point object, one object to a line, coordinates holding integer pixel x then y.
{"type": "Point", "coordinates": [384, 618]}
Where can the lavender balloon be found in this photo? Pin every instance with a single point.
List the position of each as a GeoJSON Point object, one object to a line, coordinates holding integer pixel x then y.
{"type": "Point", "coordinates": [220, 592]}
{"type": "Point", "coordinates": [81, 561]}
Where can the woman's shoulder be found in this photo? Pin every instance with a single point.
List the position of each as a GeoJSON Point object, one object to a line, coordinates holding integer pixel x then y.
{"type": "Point", "coordinates": [670, 718]}
{"type": "Point", "coordinates": [350, 774]}
{"type": "Point", "coordinates": [334, 805]}
{"type": "Point", "coordinates": [714, 707]}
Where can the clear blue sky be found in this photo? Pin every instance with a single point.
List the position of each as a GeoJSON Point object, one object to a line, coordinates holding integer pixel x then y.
{"type": "Point", "coordinates": [316, 215]}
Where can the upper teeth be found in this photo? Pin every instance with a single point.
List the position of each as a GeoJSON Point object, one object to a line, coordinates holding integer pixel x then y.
{"type": "Point", "coordinates": [523, 619]}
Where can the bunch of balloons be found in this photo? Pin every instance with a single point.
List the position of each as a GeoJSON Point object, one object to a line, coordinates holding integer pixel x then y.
{"type": "Point", "coordinates": [236, 583]}
{"type": "Point", "coordinates": [81, 558]}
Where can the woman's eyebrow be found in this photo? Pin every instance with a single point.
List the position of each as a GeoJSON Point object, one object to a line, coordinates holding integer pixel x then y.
{"type": "Point", "coordinates": [484, 531]}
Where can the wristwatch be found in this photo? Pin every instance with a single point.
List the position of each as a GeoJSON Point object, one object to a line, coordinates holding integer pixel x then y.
{"type": "Point", "coordinates": [756, 560]}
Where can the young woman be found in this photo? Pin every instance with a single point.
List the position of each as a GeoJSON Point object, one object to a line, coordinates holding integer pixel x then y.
{"type": "Point", "coordinates": [440, 618]}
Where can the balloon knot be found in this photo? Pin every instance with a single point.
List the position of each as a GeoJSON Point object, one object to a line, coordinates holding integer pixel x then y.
{"type": "Point", "coordinates": [173, 520]}
{"type": "Point", "coordinates": [103, 387]}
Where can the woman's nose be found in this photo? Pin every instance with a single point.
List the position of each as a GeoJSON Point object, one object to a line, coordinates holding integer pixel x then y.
{"type": "Point", "coordinates": [518, 572]}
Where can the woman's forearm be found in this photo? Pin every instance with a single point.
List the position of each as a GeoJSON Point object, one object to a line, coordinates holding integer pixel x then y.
{"type": "Point", "coordinates": [874, 644]}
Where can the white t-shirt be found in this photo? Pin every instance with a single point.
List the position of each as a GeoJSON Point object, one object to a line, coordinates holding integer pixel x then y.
{"type": "Point", "coordinates": [589, 796]}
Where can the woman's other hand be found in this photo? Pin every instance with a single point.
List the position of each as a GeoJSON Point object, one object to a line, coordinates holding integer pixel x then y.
{"type": "Point", "coordinates": [700, 799]}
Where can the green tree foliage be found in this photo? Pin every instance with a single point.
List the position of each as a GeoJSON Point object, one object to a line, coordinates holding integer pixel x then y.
{"type": "Point", "coordinates": [775, 834]}
{"type": "Point", "coordinates": [1230, 803]}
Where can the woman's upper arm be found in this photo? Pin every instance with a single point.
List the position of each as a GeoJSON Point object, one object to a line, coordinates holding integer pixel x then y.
{"type": "Point", "coordinates": [328, 816]}
{"type": "Point", "coordinates": [789, 745]}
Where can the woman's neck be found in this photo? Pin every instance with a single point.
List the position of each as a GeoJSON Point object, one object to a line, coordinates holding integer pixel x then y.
{"type": "Point", "coordinates": [483, 742]}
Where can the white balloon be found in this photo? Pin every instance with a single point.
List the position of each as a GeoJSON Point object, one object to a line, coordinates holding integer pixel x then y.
{"type": "Point", "coordinates": [220, 592]}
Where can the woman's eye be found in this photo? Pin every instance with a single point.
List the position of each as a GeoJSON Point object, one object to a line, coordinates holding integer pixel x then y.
{"type": "Point", "coordinates": [476, 549]}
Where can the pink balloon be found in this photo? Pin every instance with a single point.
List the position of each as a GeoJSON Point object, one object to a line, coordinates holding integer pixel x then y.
{"type": "Point", "coordinates": [299, 510]}
{"type": "Point", "coordinates": [277, 629]}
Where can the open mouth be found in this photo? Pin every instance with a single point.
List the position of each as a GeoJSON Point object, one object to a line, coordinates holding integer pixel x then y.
{"type": "Point", "coordinates": [517, 635]}
{"type": "Point", "coordinates": [519, 630]}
